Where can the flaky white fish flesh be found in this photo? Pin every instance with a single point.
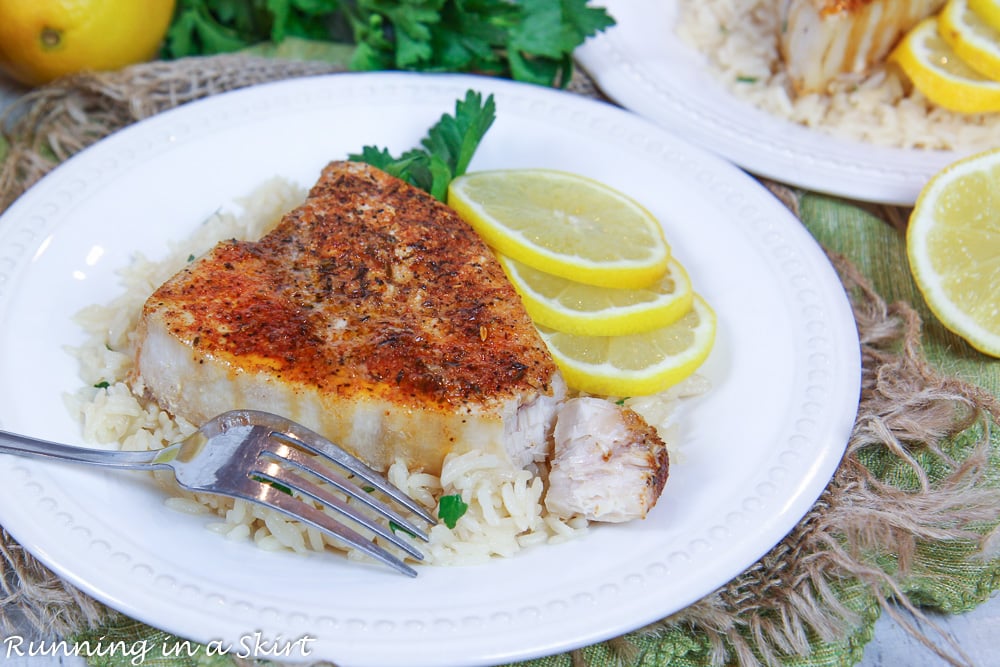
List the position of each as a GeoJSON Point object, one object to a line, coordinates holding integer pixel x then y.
{"type": "Point", "coordinates": [608, 464]}
{"type": "Point", "coordinates": [822, 39]}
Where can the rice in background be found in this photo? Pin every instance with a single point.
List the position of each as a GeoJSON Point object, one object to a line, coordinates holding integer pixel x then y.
{"type": "Point", "coordinates": [739, 39]}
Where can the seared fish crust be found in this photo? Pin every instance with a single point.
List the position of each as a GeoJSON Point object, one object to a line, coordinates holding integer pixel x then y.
{"type": "Point", "coordinates": [373, 314]}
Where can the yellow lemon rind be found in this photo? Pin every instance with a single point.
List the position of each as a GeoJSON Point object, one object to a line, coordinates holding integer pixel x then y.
{"type": "Point", "coordinates": [945, 90]}
{"type": "Point", "coordinates": [633, 273]}
{"type": "Point", "coordinates": [926, 277]}
{"type": "Point", "coordinates": [988, 11]}
{"type": "Point", "coordinates": [607, 380]}
{"type": "Point", "coordinates": [980, 52]}
{"type": "Point", "coordinates": [41, 41]}
{"type": "Point", "coordinates": [612, 321]}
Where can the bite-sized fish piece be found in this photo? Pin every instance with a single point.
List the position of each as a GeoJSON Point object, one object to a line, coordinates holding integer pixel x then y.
{"type": "Point", "coordinates": [372, 314]}
{"type": "Point", "coordinates": [608, 464]}
{"type": "Point", "coordinates": [821, 39]}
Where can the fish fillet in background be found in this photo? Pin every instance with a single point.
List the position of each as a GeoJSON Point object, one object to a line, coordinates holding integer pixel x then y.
{"type": "Point", "coordinates": [372, 314]}
{"type": "Point", "coordinates": [821, 39]}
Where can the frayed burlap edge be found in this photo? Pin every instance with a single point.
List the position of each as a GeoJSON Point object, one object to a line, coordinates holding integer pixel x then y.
{"type": "Point", "coordinates": [51, 123]}
{"type": "Point", "coordinates": [904, 406]}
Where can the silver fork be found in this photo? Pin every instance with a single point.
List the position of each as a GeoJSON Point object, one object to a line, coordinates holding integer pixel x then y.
{"type": "Point", "coordinates": [272, 461]}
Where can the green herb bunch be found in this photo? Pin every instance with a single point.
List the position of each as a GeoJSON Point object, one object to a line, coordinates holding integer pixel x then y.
{"type": "Point", "coordinates": [526, 40]}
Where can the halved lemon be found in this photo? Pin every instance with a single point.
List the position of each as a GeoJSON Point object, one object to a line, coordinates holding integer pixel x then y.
{"type": "Point", "coordinates": [638, 364]}
{"type": "Point", "coordinates": [563, 224]}
{"type": "Point", "coordinates": [941, 75]}
{"type": "Point", "coordinates": [988, 10]}
{"type": "Point", "coordinates": [589, 310]}
{"type": "Point", "coordinates": [953, 244]}
{"type": "Point", "coordinates": [975, 41]}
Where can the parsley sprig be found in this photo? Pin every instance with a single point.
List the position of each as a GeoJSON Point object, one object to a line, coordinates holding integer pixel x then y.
{"type": "Point", "coordinates": [445, 152]}
{"type": "Point", "coordinates": [526, 40]}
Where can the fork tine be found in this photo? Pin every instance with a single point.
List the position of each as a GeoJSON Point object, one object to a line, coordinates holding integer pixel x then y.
{"type": "Point", "coordinates": [298, 435]}
{"type": "Point", "coordinates": [275, 473]}
{"type": "Point", "coordinates": [296, 509]}
{"type": "Point", "coordinates": [307, 464]}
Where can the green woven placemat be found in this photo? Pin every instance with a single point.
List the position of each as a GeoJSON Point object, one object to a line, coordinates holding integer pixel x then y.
{"type": "Point", "coordinates": [901, 526]}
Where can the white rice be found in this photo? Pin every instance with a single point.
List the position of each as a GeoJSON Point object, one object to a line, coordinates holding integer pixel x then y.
{"type": "Point", "coordinates": [739, 39]}
{"type": "Point", "coordinates": [506, 510]}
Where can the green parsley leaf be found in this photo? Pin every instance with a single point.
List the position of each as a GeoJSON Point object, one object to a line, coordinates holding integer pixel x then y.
{"type": "Point", "coordinates": [451, 509]}
{"type": "Point", "coordinates": [396, 528]}
{"type": "Point", "coordinates": [277, 485]}
{"type": "Point", "coordinates": [446, 151]}
{"type": "Point", "coordinates": [529, 40]}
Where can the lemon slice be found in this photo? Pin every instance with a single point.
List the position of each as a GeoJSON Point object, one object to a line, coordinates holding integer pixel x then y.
{"type": "Point", "coordinates": [988, 11]}
{"type": "Point", "coordinates": [969, 36]}
{"type": "Point", "coordinates": [637, 364]}
{"type": "Point", "coordinates": [589, 310]}
{"type": "Point", "coordinates": [953, 244]}
{"type": "Point", "coordinates": [938, 72]}
{"type": "Point", "coordinates": [563, 224]}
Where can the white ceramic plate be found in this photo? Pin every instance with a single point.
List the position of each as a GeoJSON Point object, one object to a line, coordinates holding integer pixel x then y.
{"type": "Point", "coordinates": [642, 65]}
{"type": "Point", "coordinates": [758, 449]}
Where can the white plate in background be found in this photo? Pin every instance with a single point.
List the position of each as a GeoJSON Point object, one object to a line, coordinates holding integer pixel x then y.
{"type": "Point", "coordinates": [642, 64]}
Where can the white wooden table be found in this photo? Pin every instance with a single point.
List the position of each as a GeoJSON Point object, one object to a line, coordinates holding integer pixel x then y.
{"type": "Point", "coordinates": [978, 632]}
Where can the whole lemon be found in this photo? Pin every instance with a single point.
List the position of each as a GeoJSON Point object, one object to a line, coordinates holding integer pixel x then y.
{"type": "Point", "coordinates": [41, 40]}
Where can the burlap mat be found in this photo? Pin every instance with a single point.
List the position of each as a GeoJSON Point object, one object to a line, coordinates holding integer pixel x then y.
{"type": "Point", "coordinates": [920, 469]}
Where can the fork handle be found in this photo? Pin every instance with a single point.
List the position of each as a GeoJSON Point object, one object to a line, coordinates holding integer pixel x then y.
{"type": "Point", "coordinates": [22, 445]}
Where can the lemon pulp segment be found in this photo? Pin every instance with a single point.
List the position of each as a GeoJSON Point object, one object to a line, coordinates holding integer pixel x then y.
{"type": "Point", "coordinates": [563, 224]}
{"type": "Point", "coordinates": [636, 364]}
{"type": "Point", "coordinates": [953, 244]}
{"type": "Point", "coordinates": [579, 308]}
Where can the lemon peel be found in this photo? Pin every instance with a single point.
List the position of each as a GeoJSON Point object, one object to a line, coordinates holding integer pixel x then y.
{"type": "Point", "coordinates": [988, 11]}
{"type": "Point", "coordinates": [41, 41]}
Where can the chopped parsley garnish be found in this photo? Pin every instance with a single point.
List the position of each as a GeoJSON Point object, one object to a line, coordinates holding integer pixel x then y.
{"type": "Point", "coordinates": [277, 485]}
{"type": "Point", "coordinates": [451, 509]}
{"type": "Point", "coordinates": [396, 528]}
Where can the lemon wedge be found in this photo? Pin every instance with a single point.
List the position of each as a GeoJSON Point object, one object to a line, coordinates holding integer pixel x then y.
{"type": "Point", "coordinates": [590, 310]}
{"type": "Point", "coordinates": [638, 364]}
{"type": "Point", "coordinates": [975, 41]}
{"type": "Point", "coordinates": [563, 224]}
{"type": "Point", "coordinates": [941, 75]}
{"type": "Point", "coordinates": [988, 11]}
{"type": "Point", "coordinates": [953, 244]}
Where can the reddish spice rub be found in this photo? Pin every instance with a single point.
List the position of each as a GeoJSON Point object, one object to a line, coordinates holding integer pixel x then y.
{"type": "Point", "coordinates": [370, 301]}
